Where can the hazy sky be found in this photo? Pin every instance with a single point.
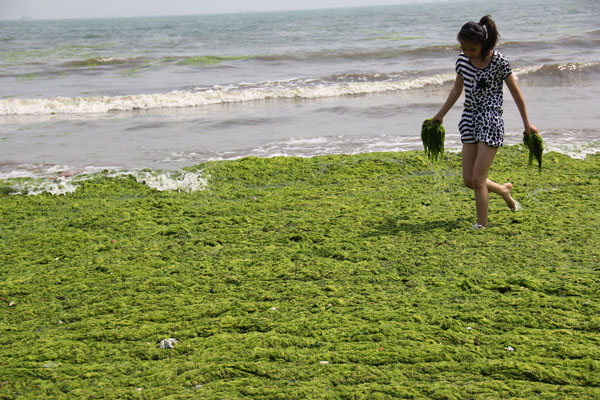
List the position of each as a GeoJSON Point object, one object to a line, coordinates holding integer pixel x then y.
{"type": "Point", "coordinates": [50, 9]}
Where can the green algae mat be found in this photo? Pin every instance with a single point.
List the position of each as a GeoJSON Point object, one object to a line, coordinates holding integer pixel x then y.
{"type": "Point", "coordinates": [334, 277]}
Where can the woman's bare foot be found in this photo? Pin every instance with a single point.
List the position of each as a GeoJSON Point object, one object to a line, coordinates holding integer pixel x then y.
{"type": "Point", "coordinates": [510, 202]}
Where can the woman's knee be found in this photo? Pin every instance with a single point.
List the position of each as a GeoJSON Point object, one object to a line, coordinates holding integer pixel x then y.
{"type": "Point", "coordinates": [468, 181]}
{"type": "Point", "coordinates": [478, 182]}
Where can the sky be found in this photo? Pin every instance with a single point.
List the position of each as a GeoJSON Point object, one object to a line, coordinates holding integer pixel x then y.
{"type": "Point", "coordinates": [55, 9]}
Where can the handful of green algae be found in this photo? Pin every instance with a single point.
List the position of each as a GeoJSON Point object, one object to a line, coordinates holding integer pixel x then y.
{"type": "Point", "coordinates": [535, 145]}
{"type": "Point", "coordinates": [432, 136]}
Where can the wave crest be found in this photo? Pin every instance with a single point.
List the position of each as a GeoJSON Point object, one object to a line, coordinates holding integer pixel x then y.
{"type": "Point", "coordinates": [556, 74]}
{"type": "Point", "coordinates": [99, 61]}
{"type": "Point", "coordinates": [307, 89]}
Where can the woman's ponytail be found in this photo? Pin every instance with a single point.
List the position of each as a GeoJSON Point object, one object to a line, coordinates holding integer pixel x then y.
{"type": "Point", "coordinates": [491, 36]}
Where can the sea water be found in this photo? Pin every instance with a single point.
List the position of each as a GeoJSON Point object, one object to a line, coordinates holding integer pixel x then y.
{"type": "Point", "coordinates": [164, 93]}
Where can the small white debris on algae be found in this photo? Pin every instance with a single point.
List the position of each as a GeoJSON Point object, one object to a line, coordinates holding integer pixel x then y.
{"type": "Point", "coordinates": [167, 343]}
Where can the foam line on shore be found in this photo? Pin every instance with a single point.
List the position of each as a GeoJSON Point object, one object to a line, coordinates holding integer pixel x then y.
{"type": "Point", "coordinates": [63, 182]}
{"type": "Point", "coordinates": [60, 179]}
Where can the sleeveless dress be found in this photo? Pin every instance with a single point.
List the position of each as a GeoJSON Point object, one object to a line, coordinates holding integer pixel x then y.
{"type": "Point", "coordinates": [482, 117]}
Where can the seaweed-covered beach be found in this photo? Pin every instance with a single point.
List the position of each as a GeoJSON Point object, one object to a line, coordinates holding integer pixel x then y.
{"type": "Point", "coordinates": [321, 278]}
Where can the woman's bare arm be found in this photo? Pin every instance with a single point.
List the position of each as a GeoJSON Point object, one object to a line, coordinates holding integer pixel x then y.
{"type": "Point", "coordinates": [513, 87]}
{"type": "Point", "coordinates": [452, 98]}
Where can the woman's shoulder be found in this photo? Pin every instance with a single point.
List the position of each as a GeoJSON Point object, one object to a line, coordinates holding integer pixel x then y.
{"type": "Point", "coordinates": [500, 58]}
{"type": "Point", "coordinates": [462, 59]}
{"type": "Point", "coordinates": [501, 65]}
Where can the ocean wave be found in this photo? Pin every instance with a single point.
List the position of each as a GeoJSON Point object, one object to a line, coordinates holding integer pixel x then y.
{"type": "Point", "coordinates": [555, 74]}
{"type": "Point", "coordinates": [203, 60]}
{"type": "Point", "coordinates": [99, 61]}
{"type": "Point", "coordinates": [300, 89]}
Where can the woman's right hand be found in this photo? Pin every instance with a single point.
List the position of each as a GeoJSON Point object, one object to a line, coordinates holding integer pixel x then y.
{"type": "Point", "coordinates": [438, 119]}
{"type": "Point", "coordinates": [529, 129]}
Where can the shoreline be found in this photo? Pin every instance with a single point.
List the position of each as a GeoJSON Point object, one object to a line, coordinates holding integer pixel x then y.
{"type": "Point", "coordinates": [60, 180]}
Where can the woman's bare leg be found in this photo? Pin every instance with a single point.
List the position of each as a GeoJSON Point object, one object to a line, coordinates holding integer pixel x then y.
{"type": "Point", "coordinates": [476, 162]}
{"type": "Point", "coordinates": [481, 167]}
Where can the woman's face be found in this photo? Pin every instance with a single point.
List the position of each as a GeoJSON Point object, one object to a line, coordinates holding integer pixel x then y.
{"type": "Point", "coordinates": [471, 50]}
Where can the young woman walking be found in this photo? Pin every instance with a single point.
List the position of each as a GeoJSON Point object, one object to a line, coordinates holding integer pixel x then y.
{"type": "Point", "coordinates": [481, 71]}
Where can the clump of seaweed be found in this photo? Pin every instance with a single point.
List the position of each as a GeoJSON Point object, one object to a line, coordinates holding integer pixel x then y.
{"type": "Point", "coordinates": [535, 145]}
{"type": "Point", "coordinates": [432, 136]}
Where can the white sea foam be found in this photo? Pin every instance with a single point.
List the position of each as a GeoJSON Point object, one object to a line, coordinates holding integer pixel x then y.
{"type": "Point", "coordinates": [54, 187]}
{"type": "Point", "coordinates": [575, 151]}
{"type": "Point", "coordinates": [528, 70]}
{"type": "Point", "coordinates": [172, 181]}
{"type": "Point", "coordinates": [30, 182]}
{"type": "Point", "coordinates": [105, 104]}
{"type": "Point", "coordinates": [553, 69]}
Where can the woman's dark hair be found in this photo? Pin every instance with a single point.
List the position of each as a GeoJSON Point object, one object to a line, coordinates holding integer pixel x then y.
{"type": "Point", "coordinates": [484, 33]}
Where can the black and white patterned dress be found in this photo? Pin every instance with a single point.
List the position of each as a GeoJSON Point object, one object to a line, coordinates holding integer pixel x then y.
{"type": "Point", "coordinates": [482, 117]}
